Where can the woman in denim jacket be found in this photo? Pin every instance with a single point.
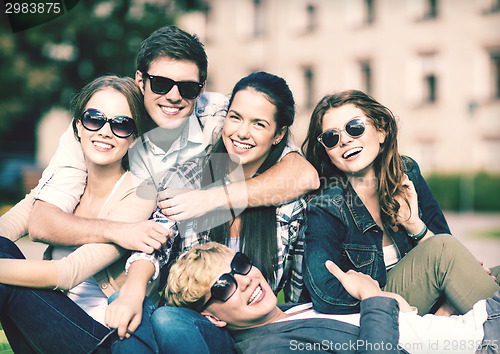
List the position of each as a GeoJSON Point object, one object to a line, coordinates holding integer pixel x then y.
{"type": "Point", "coordinates": [373, 210]}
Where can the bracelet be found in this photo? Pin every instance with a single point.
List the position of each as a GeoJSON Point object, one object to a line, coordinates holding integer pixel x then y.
{"type": "Point", "coordinates": [420, 235]}
{"type": "Point", "coordinates": [228, 200]}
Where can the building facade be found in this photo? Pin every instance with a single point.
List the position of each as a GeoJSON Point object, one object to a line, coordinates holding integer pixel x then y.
{"type": "Point", "coordinates": [434, 63]}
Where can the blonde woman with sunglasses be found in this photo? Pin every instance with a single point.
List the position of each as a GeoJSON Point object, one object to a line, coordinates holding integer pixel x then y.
{"type": "Point", "coordinates": [376, 214]}
{"type": "Point", "coordinates": [38, 319]}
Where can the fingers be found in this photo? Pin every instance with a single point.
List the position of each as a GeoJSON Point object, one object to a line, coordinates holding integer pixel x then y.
{"type": "Point", "coordinates": [334, 269]}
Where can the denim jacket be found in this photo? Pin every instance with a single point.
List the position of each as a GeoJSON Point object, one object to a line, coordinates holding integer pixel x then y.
{"type": "Point", "coordinates": [341, 229]}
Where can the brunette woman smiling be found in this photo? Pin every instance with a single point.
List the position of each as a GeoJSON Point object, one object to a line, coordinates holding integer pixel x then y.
{"type": "Point", "coordinates": [43, 320]}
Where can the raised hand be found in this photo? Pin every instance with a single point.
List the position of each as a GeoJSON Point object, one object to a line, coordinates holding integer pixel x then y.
{"type": "Point", "coordinates": [359, 285]}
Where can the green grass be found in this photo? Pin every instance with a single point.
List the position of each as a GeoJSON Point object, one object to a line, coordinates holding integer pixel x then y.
{"type": "Point", "coordinates": [4, 344]}
{"type": "Point", "coordinates": [487, 234]}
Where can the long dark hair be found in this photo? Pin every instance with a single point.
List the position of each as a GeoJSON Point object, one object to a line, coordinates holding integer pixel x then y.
{"type": "Point", "coordinates": [389, 166]}
{"type": "Point", "coordinates": [258, 235]}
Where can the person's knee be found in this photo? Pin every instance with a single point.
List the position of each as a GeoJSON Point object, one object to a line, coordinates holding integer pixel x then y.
{"type": "Point", "coordinates": [438, 243]}
{"type": "Point", "coordinates": [170, 316]}
{"type": "Point", "coordinates": [9, 249]}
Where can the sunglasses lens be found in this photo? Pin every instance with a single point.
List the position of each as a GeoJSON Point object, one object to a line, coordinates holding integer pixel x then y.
{"type": "Point", "coordinates": [330, 138]}
{"type": "Point", "coordinates": [241, 264]}
{"type": "Point", "coordinates": [92, 119]}
{"type": "Point", "coordinates": [161, 85]}
{"type": "Point", "coordinates": [123, 127]}
{"type": "Point", "coordinates": [355, 127]}
{"type": "Point", "coordinates": [224, 287]}
{"type": "Point", "coordinates": [189, 89]}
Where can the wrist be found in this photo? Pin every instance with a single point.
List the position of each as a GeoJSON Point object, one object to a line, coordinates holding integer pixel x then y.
{"type": "Point", "coordinates": [414, 227]}
{"type": "Point", "coordinates": [420, 234]}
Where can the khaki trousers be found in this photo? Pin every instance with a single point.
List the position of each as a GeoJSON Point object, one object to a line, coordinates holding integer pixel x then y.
{"type": "Point", "coordinates": [441, 265]}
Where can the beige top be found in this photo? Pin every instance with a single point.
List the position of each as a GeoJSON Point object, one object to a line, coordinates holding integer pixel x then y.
{"type": "Point", "coordinates": [106, 261]}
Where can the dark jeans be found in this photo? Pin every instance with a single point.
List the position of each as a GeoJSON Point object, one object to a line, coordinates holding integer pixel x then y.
{"type": "Point", "coordinates": [182, 330]}
{"type": "Point", "coordinates": [491, 339]}
{"type": "Point", "coordinates": [45, 321]}
{"type": "Point", "coordinates": [142, 340]}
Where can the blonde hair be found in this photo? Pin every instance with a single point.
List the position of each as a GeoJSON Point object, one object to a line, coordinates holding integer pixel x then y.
{"type": "Point", "coordinates": [191, 275]}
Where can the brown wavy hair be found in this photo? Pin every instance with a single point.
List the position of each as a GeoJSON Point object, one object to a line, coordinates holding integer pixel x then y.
{"type": "Point", "coordinates": [389, 165]}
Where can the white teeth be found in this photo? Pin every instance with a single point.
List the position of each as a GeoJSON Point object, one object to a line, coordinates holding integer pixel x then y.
{"type": "Point", "coordinates": [256, 294]}
{"type": "Point", "coordinates": [351, 152]}
{"type": "Point", "coordinates": [103, 145]}
{"type": "Point", "coordinates": [242, 146]}
{"type": "Point", "coordinates": [170, 109]}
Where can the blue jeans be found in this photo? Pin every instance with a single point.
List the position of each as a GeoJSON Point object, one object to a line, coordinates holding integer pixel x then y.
{"type": "Point", "coordinates": [491, 338]}
{"type": "Point", "coordinates": [182, 330]}
{"type": "Point", "coordinates": [143, 339]}
{"type": "Point", "coordinates": [46, 321]}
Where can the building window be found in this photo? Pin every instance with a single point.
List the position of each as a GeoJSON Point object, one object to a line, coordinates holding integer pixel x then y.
{"type": "Point", "coordinates": [309, 86]}
{"type": "Point", "coordinates": [495, 71]}
{"type": "Point", "coordinates": [431, 9]}
{"type": "Point", "coordinates": [430, 88]}
{"type": "Point", "coordinates": [422, 10]}
{"type": "Point", "coordinates": [366, 76]}
{"type": "Point", "coordinates": [490, 6]}
{"type": "Point", "coordinates": [258, 18]}
{"type": "Point", "coordinates": [360, 13]}
{"type": "Point", "coordinates": [311, 17]}
{"type": "Point", "coordinates": [429, 78]}
{"type": "Point", "coordinates": [369, 11]}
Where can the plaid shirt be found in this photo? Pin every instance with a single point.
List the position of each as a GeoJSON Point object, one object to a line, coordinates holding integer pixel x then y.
{"type": "Point", "coordinates": [290, 232]}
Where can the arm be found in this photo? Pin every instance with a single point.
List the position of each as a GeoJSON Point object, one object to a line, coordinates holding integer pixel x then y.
{"type": "Point", "coordinates": [379, 321]}
{"type": "Point", "coordinates": [430, 211]}
{"type": "Point", "coordinates": [14, 223]}
{"type": "Point", "coordinates": [51, 225]}
{"type": "Point", "coordinates": [278, 185]}
{"type": "Point", "coordinates": [62, 183]}
{"type": "Point", "coordinates": [125, 312]}
{"type": "Point", "coordinates": [30, 273]}
{"type": "Point", "coordinates": [324, 237]}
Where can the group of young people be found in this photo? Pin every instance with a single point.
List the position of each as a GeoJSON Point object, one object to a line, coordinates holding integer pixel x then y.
{"type": "Point", "coordinates": [189, 212]}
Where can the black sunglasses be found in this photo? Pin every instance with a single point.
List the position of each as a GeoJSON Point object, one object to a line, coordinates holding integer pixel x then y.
{"type": "Point", "coordinates": [354, 128]}
{"type": "Point", "coordinates": [226, 285]}
{"type": "Point", "coordinates": [162, 85]}
{"type": "Point", "coordinates": [93, 120]}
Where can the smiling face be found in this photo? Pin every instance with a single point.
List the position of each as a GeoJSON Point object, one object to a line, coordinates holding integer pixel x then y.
{"type": "Point", "coordinates": [353, 156]}
{"type": "Point", "coordinates": [169, 110]}
{"type": "Point", "coordinates": [252, 304]}
{"type": "Point", "coordinates": [250, 130]}
{"type": "Point", "coordinates": [102, 147]}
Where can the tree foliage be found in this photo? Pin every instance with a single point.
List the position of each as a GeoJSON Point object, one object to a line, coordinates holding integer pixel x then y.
{"type": "Point", "coordinates": [45, 65]}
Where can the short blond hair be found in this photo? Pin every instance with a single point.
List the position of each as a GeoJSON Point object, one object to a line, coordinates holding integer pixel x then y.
{"type": "Point", "coordinates": [191, 275]}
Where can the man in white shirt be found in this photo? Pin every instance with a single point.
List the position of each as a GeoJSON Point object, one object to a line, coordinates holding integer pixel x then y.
{"type": "Point", "coordinates": [171, 72]}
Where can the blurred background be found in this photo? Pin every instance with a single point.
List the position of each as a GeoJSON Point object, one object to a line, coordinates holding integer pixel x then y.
{"type": "Point", "coordinates": [434, 63]}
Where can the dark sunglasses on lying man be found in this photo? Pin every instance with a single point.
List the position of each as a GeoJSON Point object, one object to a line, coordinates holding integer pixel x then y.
{"type": "Point", "coordinates": [122, 126]}
{"type": "Point", "coordinates": [226, 285]}
{"type": "Point", "coordinates": [162, 85]}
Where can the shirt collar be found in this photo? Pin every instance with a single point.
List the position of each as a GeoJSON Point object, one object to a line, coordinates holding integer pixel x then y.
{"type": "Point", "coordinates": [191, 134]}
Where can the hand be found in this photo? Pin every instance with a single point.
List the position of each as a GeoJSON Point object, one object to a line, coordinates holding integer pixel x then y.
{"type": "Point", "coordinates": [359, 285]}
{"type": "Point", "coordinates": [184, 204]}
{"type": "Point", "coordinates": [408, 212]}
{"type": "Point", "coordinates": [488, 270]}
{"type": "Point", "coordinates": [125, 314]}
{"type": "Point", "coordinates": [144, 236]}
